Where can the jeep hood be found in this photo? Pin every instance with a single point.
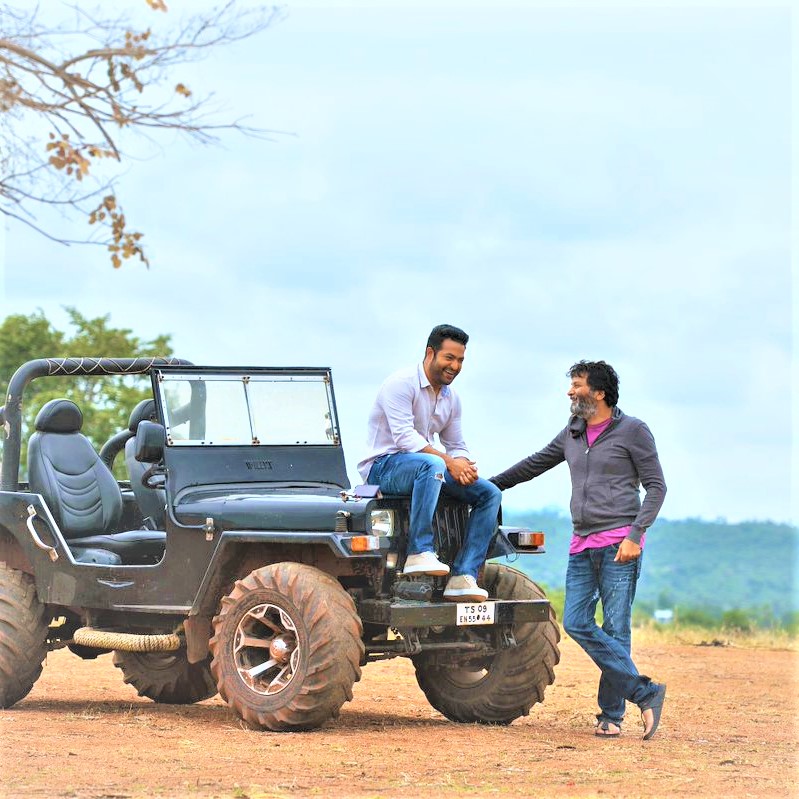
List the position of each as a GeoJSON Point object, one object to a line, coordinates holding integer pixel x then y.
{"type": "Point", "coordinates": [269, 509]}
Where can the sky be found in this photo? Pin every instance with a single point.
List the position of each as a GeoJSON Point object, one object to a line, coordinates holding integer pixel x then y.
{"type": "Point", "coordinates": [568, 181]}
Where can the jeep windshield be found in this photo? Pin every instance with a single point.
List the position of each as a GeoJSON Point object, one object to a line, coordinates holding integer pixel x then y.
{"type": "Point", "coordinates": [236, 428]}
{"type": "Point", "coordinates": [248, 408]}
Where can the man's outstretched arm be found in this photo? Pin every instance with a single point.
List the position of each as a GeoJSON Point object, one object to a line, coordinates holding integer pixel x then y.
{"type": "Point", "coordinates": [533, 465]}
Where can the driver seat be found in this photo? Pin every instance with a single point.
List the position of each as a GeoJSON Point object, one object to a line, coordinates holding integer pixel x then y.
{"type": "Point", "coordinates": [151, 501]}
{"type": "Point", "coordinates": [81, 492]}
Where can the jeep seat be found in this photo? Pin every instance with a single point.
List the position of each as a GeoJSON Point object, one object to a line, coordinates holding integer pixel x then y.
{"type": "Point", "coordinates": [151, 501]}
{"type": "Point", "coordinates": [80, 491]}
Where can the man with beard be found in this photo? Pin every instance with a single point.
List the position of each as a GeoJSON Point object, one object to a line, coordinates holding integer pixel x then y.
{"type": "Point", "coordinates": [412, 407]}
{"type": "Point", "coordinates": [610, 455]}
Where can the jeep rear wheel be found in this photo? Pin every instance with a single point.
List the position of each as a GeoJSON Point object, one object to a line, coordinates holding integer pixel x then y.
{"type": "Point", "coordinates": [167, 677]}
{"type": "Point", "coordinates": [499, 688]}
{"type": "Point", "coordinates": [23, 635]}
{"type": "Point", "coordinates": [286, 647]}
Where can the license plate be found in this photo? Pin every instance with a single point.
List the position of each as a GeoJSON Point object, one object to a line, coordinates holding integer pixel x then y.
{"type": "Point", "coordinates": [475, 613]}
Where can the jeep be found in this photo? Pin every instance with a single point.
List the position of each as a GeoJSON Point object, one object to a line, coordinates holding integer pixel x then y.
{"type": "Point", "coordinates": [238, 559]}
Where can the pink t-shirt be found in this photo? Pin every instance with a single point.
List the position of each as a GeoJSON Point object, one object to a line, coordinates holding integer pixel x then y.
{"type": "Point", "coordinates": [605, 537]}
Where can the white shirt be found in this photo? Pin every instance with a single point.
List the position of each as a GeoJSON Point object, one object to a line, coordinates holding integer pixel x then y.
{"type": "Point", "coordinates": [407, 414]}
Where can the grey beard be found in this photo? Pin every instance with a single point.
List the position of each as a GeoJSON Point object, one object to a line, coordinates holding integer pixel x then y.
{"type": "Point", "coordinates": [584, 407]}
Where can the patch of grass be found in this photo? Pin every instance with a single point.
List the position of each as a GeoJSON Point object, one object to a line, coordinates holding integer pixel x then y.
{"type": "Point", "coordinates": [652, 632]}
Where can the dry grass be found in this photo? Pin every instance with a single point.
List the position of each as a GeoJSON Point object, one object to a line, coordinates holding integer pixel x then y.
{"type": "Point", "coordinates": [652, 633]}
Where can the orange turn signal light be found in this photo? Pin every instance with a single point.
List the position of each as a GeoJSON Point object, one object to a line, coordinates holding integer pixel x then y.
{"type": "Point", "coordinates": [364, 543]}
{"type": "Point", "coordinates": [531, 539]}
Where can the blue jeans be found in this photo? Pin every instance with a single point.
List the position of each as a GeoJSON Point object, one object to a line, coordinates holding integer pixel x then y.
{"type": "Point", "coordinates": [593, 575]}
{"type": "Point", "coordinates": [424, 476]}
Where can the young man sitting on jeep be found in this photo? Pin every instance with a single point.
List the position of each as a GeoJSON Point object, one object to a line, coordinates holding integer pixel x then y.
{"type": "Point", "coordinates": [412, 406]}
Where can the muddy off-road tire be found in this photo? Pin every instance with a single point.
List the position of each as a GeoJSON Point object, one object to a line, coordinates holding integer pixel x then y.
{"type": "Point", "coordinates": [286, 647]}
{"type": "Point", "coordinates": [23, 635]}
{"type": "Point", "coordinates": [167, 677]}
{"type": "Point", "coordinates": [502, 687]}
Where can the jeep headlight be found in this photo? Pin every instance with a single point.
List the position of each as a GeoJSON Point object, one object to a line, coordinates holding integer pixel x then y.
{"type": "Point", "coordinates": [382, 522]}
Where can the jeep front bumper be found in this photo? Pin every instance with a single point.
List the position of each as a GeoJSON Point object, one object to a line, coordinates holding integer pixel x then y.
{"type": "Point", "coordinates": [406, 613]}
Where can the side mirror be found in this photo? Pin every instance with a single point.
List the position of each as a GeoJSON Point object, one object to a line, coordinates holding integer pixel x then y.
{"type": "Point", "coordinates": [150, 439]}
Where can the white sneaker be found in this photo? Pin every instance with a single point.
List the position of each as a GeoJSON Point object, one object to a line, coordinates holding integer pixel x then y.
{"type": "Point", "coordinates": [464, 588]}
{"type": "Point", "coordinates": [425, 563]}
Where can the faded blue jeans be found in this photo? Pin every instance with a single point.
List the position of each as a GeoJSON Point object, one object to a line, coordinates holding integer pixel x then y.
{"type": "Point", "coordinates": [424, 476]}
{"type": "Point", "coordinates": [593, 575]}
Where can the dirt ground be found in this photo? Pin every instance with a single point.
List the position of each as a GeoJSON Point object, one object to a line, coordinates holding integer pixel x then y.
{"type": "Point", "coordinates": [729, 729]}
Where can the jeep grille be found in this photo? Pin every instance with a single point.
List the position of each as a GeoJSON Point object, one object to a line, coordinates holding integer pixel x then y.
{"type": "Point", "coordinates": [449, 527]}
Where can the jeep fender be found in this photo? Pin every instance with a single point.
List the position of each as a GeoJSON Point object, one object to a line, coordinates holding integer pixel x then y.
{"type": "Point", "coordinates": [239, 551]}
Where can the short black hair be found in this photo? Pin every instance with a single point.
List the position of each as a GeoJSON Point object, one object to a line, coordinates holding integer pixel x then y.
{"type": "Point", "coordinates": [600, 376]}
{"type": "Point", "coordinates": [441, 332]}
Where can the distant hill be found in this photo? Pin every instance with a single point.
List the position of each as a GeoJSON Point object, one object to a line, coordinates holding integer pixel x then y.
{"type": "Point", "coordinates": [691, 563]}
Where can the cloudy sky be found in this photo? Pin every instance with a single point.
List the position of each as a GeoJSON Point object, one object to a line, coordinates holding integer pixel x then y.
{"type": "Point", "coordinates": [579, 181]}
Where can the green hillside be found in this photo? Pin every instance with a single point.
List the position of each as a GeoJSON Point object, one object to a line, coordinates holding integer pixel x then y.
{"type": "Point", "coordinates": [691, 563]}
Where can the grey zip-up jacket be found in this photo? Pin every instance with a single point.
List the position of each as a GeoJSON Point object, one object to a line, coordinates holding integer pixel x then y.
{"type": "Point", "coordinates": [606, 478]}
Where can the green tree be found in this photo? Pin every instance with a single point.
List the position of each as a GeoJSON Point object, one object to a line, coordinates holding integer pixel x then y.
{"type": "Point", "coordinates": [106, 402]}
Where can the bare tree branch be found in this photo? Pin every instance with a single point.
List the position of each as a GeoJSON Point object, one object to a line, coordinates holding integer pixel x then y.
{"type": "Point", "coordinates": [43, 232]}
{"type": "Point", "coordinates": [78, 87]}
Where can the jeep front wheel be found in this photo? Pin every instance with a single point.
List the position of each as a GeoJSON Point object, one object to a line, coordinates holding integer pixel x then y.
{"type": "Point", "coordinates": [499, 688]}
{"type": "Point", "coordinates": [286, 648]}
{"type": "Point", "coordinates": [167, 677]}
{"type": "Point", "coordinates": [23, 635]}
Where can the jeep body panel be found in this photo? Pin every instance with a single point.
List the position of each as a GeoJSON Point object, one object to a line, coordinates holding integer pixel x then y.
{"type": "Point", "coordinates": [176, 585]}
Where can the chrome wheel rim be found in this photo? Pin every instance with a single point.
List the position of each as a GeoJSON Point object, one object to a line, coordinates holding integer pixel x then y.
{"type": "Point", "coordinates": [266, 649]}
